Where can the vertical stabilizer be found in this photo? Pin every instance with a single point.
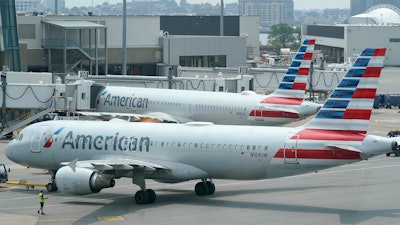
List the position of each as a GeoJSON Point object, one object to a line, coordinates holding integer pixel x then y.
{"type": "Point", "coordinates": [292, 88]}
{"type": "Point", "coordinates": [349, 106]}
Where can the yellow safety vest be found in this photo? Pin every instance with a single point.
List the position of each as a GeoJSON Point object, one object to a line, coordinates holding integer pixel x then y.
{"type": "Point", "coordinates": [40, 197]}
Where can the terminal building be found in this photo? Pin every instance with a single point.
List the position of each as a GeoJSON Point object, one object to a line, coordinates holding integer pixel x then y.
{"type": "Point", "coordinates": [154, 44]}
{"type": "Point", "coordinates": [376, 27]}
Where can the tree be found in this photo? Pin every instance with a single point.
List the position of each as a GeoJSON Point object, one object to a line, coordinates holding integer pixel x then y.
{"type": "Point", "coordinates": [281, 36]}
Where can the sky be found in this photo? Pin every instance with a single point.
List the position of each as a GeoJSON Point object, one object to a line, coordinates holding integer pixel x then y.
{"type": "Point", "coordinates": [298, 4]}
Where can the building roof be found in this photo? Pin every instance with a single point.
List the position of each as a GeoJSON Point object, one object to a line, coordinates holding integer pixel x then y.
{"type": "Point", "coordinates": [382, 14]}
{"type": "Point", "coordinates": [75, 24]}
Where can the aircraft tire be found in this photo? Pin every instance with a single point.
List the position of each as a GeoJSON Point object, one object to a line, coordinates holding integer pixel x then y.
{"type": "Point", "coordinates": [151, 196]}
{"type": "Point", "coordinates": [201, 189]}
{"type": "Point", "coordinates": [51, 187]}
{"type": "Point", "coordinates": [211, 187]}
{"type": "Point", "coordinates": [141, 197]}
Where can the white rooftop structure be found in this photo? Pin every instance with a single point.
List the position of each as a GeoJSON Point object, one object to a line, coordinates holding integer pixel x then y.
{"type": "Point", "coordinates": [382, 14]}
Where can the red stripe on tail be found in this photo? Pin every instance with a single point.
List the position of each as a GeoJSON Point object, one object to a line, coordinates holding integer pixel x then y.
{"type": "Point", "coordinates": [358, 114]}
{"type": "Point", "coordinates": [282, 100]}
{"type": "Point", "coordinates": [372, 72]}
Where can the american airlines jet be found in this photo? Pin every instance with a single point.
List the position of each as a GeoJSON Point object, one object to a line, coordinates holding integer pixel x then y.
{"type": "Point", "coordinates": [284, 105]}
{"type": "Point", "coordinates": [87, 156]}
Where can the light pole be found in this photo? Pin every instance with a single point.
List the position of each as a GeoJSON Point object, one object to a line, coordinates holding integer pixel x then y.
{"type": "Point", "coordinates": [221, 20]}
{"type": "Point", "coordinates": [124, 38]}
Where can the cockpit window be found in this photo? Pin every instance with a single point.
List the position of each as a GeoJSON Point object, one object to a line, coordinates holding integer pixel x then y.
{"type": "Point", "coordinates": [20, 136]}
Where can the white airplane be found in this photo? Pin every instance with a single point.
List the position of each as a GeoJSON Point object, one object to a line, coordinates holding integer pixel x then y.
{"type": "Point", "coordinates": [87, 156]}
{"type": "Point", "coordinates": [284, 105]}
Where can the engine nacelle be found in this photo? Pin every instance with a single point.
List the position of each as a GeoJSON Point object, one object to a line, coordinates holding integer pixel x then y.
{"type": "Point", "coordinates": [82, 181]}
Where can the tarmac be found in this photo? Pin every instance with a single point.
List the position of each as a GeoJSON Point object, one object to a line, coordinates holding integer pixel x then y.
{"type": "Point", "coordinates": [364, 193]}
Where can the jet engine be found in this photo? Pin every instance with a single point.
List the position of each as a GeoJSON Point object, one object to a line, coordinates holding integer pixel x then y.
{"type": "Point", "coordinates": [81, 181]}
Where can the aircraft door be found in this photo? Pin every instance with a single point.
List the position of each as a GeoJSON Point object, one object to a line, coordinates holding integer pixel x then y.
{"type": "Point", "coordinates": [290, 150]}
{"type": "Point", "coordinates": [38, 139]}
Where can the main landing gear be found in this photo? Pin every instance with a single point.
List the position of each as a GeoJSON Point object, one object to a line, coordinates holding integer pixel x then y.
{"type": "Point", "coordinates": [52, 187]}
{"type": "Point", "coordinates": [148, 196]}
{"type": "Point", "coordinates": [205, 187]}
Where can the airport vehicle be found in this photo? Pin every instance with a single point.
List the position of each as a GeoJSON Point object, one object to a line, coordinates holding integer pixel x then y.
{"type": "Point", "coordinates": [87, 156]}
{"type": "Point", "coordinates": [3, 173]}
{"type": "Point", "coordinates": [26, 183]}
{"type": "Point", "coordinates": [394, 134]}
{"type": "Point", "coordinates": [284, 105]}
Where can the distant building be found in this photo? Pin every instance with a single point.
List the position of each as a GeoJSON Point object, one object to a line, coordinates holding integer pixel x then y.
{"type": "Point", "coordinates": [376, 27]}
{"type": "Point", "coordinates": [360, 6]}
{"type": "Point", "coordinates": [28, 6]}
{"type": "Point", "coordinates": [155, 44]}
{"type": "Point", "coordinates": [50, 5]}
{"type": "Point", "coordinates": [270, 11]}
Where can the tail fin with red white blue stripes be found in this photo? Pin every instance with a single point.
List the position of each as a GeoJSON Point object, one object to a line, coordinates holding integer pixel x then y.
{"type": "Point", "coordinates": [292, 88]}
{"type": "Point", "coordinates": [349, 106]}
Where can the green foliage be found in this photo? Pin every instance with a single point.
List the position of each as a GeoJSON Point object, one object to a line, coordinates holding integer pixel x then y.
{"type": "Point", "coordinates": [284, 36]}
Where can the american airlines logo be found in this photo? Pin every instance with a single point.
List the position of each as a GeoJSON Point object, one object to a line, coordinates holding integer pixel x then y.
{"type": "Point", "coordinates": [106, 142]}
{"type": "Point", "coordinates": [50, 140]}
{"type": "Point", "coordinates": [125, 101]}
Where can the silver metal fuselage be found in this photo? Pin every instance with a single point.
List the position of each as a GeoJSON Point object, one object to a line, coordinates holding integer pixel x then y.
{"type": "Point", "coordinates": [215, 107]}
{"type": "Point", "coordinates": [223, 152]}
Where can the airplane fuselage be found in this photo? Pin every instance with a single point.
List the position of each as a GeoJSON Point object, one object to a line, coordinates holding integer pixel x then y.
{"type": "Point", "coordinates": [222, 152]}
{"type": "Point", "coordinates": [217, 107]}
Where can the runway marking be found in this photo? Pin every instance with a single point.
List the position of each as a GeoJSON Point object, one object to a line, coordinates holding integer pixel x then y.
{"type": "Point", "coordinates": [110, 218]}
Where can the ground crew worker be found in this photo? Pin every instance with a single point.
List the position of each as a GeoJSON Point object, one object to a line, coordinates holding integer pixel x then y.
{"type": "Point", "coordinates": [41, 199]}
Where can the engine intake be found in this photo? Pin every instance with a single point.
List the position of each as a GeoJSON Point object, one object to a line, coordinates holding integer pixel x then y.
{"type": "Point", "coordinates": [82, 181]}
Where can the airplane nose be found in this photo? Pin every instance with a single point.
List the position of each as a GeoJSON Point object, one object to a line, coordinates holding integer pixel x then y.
{"type": "Point", "coordinates": [8, 151]}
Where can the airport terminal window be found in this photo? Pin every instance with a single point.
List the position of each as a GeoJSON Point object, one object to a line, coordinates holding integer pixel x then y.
{"type": "Point", "coordinates": [203, 61]}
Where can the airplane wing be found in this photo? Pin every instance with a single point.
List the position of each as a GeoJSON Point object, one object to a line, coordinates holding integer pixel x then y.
{"type": "Point", "coordinates": [134, 117]}
{"type": "Point", "coordinates": [164, 170]}
{"type": "Point", "coordinates": [116, 164]}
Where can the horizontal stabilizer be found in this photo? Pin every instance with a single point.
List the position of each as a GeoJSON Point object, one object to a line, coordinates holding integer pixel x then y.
{"type": "Point", "coordinates": [282, 109]}
{"type": "Point", "coordinates": [342, 147]}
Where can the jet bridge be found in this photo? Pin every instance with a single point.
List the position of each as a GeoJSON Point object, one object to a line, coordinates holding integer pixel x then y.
{"type": "Point", "coordinates": [27, 97]}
